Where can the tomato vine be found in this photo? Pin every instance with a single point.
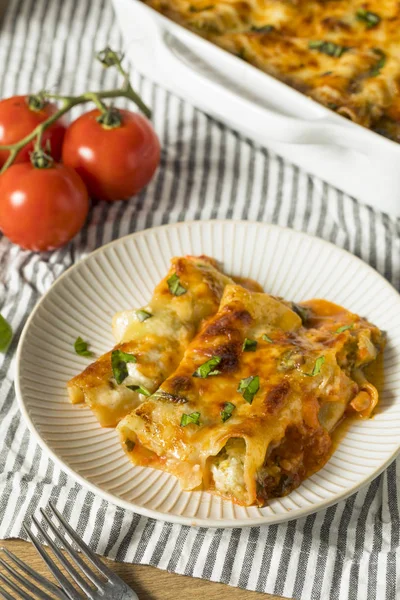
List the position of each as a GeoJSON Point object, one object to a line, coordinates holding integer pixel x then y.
{"type": "Point", "coordinates": [108, 58]}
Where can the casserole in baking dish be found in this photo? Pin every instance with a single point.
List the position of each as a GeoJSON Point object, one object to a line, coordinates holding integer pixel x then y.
{"type": "Point", "coordinates": [351, 157]}
{"type": "Point", "coordinates": [343, 53]}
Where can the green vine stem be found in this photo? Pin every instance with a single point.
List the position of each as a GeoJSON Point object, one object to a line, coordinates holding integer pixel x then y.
{"type": "Point", "coordinates": [108, 58]}
{"type": "Point", "coordinates": [39, 157]}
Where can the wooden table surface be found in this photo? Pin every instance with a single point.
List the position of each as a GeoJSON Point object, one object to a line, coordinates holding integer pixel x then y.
{"type": "Point", "coordinates": [148, 582]}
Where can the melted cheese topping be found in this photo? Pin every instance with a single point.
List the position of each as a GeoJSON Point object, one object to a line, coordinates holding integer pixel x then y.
{"type": "Point", "coordinates": [309, 376]}
{"type": "Point", "coordinates": [359, 77]}
{"type": "Point", "coordinates": [158, 343]}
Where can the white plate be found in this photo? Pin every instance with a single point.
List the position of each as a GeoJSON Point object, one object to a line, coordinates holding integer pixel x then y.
{"type": "Point", "coordinates": [122, 275]}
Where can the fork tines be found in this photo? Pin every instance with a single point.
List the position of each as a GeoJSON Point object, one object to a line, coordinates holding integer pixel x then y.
{"type": "Point", "coordinates": [102, 578]}
{"type": "Point", "coordinates": [13, 584]}
{"type": "Point", "coordinates": [107, 584]}
{"type": "Point", "coordinates": [60, 577]}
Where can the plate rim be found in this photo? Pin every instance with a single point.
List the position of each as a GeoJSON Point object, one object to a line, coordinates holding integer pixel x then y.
{"type": "Point", "coordinates": [168, 517]}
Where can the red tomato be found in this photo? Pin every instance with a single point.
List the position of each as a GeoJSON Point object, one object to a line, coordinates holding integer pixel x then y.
{"type": "Point", "coordinates": [17, 120]}
{"type": "Point", "coordinates": [42, 209]}
{"type": "Point", "coordinates": [115, 163]}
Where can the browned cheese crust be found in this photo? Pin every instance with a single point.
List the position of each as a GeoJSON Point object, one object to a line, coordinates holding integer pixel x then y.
{"type": "Point", "coordinates": [309, 360]}
{"type": "Point", "coordinates": [343, 53]}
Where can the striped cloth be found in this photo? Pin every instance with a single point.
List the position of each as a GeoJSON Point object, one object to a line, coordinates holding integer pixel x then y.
{"type": "Point", "coordinates": [351, 550]}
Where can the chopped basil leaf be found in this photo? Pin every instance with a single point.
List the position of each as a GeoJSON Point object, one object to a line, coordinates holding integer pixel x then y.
{"type": "Point", "coordinates": [376, 69]}
{"type": "Point", "coordinates": [175, 287]}
{"type": "Point", "coordinates": [332, 106]}
{"type": "Point", "coordinates": [249, 387]}
{"type": "Point", "coordinates": [194, 418]}
{"type": "Point", "coordinates": [317, 367]}
{"type": "Point", "coordinates": [81, 347]}
{"type": "Point", "coordinates": [207, 368]}
{"type": "Point", "coordinates": [344, 328]}
{"type": "Point", "coordinates": [139, 388]}
{"type": "Point", "coordinates": [227, 411]}
{"type": "Point", "coordinates": [249, 345]}
{"type": "Point", "coordinates": [142, 315]}
{"type": "Point", "coordinates": [266, 338]}
{"type": "Point", "coordinates": [370, 18]}
{"type": "Point", "coordinates": [195, 9]}
{"type": "Point", "coordinates": [5, 334]}
{"type": "Point", "coordinates": [119, 359]}
{"type": "Point", "coordinates": [263, 29]}
{"type": "Point", "coordinates": [129, 445]}
{"type": "Point", "coordinates": [329, 48]}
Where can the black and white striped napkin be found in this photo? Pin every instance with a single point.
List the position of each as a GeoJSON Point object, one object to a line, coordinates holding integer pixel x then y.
{"type": "Point", "coordinates": [350, 551]}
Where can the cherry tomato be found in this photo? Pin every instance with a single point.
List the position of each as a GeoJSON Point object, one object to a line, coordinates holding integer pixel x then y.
{"type": "Point", "coordinates": [17, 119]}
{"type": "Point", "coordinates": [42, 209]}
{"type": "Point", "coordinates": [114, 162]}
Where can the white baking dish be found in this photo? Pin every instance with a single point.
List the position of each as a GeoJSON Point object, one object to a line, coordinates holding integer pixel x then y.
{"type": "Point", "coordinates": [350, 157]}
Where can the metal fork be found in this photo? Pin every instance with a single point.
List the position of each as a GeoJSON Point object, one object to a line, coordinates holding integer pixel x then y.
{"type": "Point", "coordinates": [13, 585]}
{"type": "Point", "coordinates": [109, 586]}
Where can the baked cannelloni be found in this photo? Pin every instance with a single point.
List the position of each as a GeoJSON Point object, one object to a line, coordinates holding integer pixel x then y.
{"type": "Point", "coordinates": [342, 53]}
{"type": "Point", "coordinates": [152, 340]}
{"type": "Point", "coordinates": [250, 410]}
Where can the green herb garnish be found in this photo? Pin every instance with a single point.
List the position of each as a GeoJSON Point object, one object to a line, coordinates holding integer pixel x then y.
{"type": "Point", "coordinates": [5, 334]}
{"type": "Point", "coordinates": [194, 418]}
{"type": "Point", "coordinates": [249, 345]}
{"type": "Point", "coordinates": [81, 347]}
{"type": "Point", "coordinates": [175, 286]}
{"type": "Point", "coordinates": [142, 315]}
{"type": "Point", "coordinates": [249, 387]}
{"type": "Point", "coordinates": [370, 18]}
{"type": "Point", "coordinates": [266, 338]}
{"type": "Point", "coordinates": [207, 368]}
{"type": "Point", "coordinates": [227, 411]}
{"type": "Point", "coordinates": [317, 367]}
{"type": "Point", "coordinates": [139, 388]}
{"type": "Point", "coordinates": [329, 48]}
{"type": "Point", "coordinates": [376, 69]}
{"type": "Point", "coordinates": [119, 360]}
{"type": "Point", "coordinates": [263, 29]}
{"type": "Point", "coordinates": [129, 445]}
{"type": "Point", "coordinates": [344, 328]}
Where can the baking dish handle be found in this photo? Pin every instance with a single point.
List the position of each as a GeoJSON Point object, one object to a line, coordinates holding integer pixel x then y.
{"type": "Point", "coordinates": [278, 128]}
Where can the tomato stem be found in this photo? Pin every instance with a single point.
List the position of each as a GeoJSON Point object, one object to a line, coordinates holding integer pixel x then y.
{"type": "Point", "coordinates": [40, 158]}
{"type": "Point", "coordinates": [109, 58]}
{"type": "Point", "coordinates": [99, 103]}
{"type": "Point", "coordinates": [38, 143]}
{"type": "Point", "coordinates": [110, 118]}
{"type": "Point", "coordinates": [36, 102]}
